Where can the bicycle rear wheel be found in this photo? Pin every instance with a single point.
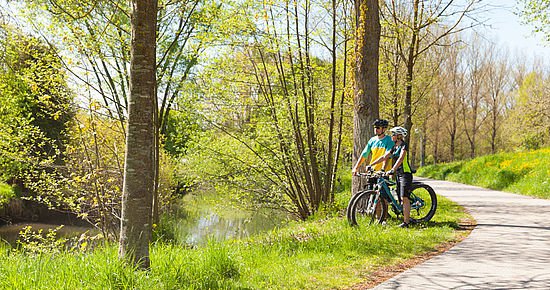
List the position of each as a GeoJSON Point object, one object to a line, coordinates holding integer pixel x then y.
{"type": "Point", "coordinates": [423, 202]}
{"type": "Point", "coordinates": [368, 208]}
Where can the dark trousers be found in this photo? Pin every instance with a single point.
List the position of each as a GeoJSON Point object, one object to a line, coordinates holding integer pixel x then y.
{"type": "Point", "coordinates": [404, 180]}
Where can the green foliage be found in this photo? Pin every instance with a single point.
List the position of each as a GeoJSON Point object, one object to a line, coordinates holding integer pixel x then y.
{"type": "Point", "coordinates": [7, 192]}
{"type": "Point", "coordinates": [532, 141]}
{"type": "Point", "coordinates": [525, 173]}
{"type": "Point", "coordinates": [31, 242]}
{"type": "Point", "coordinates": [537, 14]}
{"type": "Point", "coordinates": [91, 184]}
{"type": "Point", "coordinates": [55, 241]}
{"type": "Point", "coordinates": [35, 105]}
{"type": "Point", "coordinates": [530, 115]}
{"type": "Point", "coordinates": [180, 128]}
{"type": "Point", "coordinates": [268, 133]}
{"type": "Point", "coordinates": [225, 164]}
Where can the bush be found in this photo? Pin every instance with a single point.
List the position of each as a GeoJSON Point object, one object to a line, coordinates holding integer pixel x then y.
{"type": "Point", "coordinates": [6, 193]}
{"type": "Point", "coordinates": [35, 107]}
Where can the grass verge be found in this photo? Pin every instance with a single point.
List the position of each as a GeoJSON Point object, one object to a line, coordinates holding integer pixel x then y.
{"type": "Point", "coordinates": [526, 173]}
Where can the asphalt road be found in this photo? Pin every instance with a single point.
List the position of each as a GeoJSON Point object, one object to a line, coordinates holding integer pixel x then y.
{"type": "Point", "coordinates": [508, 249]}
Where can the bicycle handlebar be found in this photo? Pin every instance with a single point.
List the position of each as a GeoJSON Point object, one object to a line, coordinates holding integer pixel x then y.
{"type": "Point", "coordinates": [373, 174]}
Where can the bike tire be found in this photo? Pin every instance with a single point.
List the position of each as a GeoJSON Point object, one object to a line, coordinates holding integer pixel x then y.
{"type": "Point", "coordinates": [352, 199]}
{"type": "Point", "coordinates": [423, 202]}
{"type": "Point", "coordinates": [348, 208]}
{"type": "Point", "coordinates": [368, 208]}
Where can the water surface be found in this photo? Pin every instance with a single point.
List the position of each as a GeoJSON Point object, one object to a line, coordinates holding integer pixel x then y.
{"type": "Point", "coordinates": [201, 220]}
{"type": "Point", "coordinates": [10, 233]}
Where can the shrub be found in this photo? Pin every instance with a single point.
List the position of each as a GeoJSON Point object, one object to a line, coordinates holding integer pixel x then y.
{"type": "Point", "coordinates": [6, 193]}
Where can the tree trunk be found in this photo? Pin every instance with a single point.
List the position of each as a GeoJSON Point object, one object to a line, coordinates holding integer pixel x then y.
{"type": "Point", "coordinates": [410, 61]}
{"type": "Point", "coordinates": [330, 172]}
{"type": "Point", "coordinates": [423, 141]}
{"type": "Point", "coordinates": [139, 169]}
{"type": "Point", "coordinates": [366, 93]}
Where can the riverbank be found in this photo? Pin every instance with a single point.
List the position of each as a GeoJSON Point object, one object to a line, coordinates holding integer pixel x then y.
{"type": "Point", "coordinates": [322, 253]}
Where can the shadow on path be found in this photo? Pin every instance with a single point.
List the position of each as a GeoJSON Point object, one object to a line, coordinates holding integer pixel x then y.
{"type": "Point", "coordinates": [509, 248]}
{"type": "Point", "coordinates": [514, 226]}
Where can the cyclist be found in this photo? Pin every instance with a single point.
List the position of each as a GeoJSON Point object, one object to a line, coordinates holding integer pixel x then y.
{"type": "Point", "coordinates": [377, 146]}
{"type": "Point", "coordinates": [401, 166]}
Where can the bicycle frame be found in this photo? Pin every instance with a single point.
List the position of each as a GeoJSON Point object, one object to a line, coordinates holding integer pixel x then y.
{"type": "Point", "coordinates": [379, 190]}
{"type": "Point", "coordinates": [383, 186]}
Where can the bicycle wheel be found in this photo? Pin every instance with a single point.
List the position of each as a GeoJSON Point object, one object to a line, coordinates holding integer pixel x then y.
{"type": "Point", "coordinates": [352, 200]}
{"type": "Point", "coordinates": [350, 203]}
{"type": "Point", "coordinates": [348, 209]}
{"type": "Point", "coordinates": [423, 202]}
{"type": "Point", "coordinates": [368, 208]}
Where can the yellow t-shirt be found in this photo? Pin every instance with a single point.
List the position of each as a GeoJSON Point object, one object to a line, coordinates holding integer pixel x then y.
{"type": "Point", "coordinates": [377, 148]}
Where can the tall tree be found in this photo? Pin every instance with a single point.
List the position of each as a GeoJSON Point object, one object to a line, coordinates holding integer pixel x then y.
{"type": "Point", "coordinates": [530, 113]}
{"type": "Point", "coordinates": [473, 111]}
{"type": "Point", "coordinates": [366, 93]}
{"type": "Point", "coordinates": [419, 26]}
{"type": "Point", "coordinates": [497, 98]}
{"type": "Point", "coordinates": [139, 169]}
{"type": "Point", "coordinates": [454, 77]}
{"type": "Point", "coordinates": [294, 126]}
{"type": "Point", "coordinates": [446, 95]}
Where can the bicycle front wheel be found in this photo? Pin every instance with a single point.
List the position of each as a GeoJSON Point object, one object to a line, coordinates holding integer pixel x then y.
{"type": "Point", "coordinates": [368, 208]}
{"type": "Point", "coordinates": [349, 208]}
{"type": "Point", "coordinates": [423, 202]}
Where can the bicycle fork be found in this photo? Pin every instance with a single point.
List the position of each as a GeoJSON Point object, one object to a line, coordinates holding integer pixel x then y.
{"type": "Point", "coordinates": [371, 204]}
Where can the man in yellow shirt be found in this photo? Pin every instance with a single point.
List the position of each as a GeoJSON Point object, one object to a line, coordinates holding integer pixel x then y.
{"type": "Point", "coordinates": [377, 147]}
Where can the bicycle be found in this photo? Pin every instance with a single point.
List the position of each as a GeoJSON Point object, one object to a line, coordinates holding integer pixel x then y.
{"type": "Point", "coordinates": [370, 205]}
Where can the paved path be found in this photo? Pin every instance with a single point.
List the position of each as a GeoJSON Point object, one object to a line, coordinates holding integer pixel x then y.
{"type": "Point", "coordinates": [509, 248]}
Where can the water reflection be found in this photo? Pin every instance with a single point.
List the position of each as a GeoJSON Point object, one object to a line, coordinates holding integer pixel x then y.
{"type": "Point", "coordinates": [212, 226]}
{"type": "Point", "coordinates": [10, 233]}
{"type": "Point", "coordinates": [198, 223]}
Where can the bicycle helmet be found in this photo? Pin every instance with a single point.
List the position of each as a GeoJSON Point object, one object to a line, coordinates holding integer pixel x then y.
{"type": "Point", "coordinates": [380, 123]}
{"type": "Point", "coordinates": [399, 131]}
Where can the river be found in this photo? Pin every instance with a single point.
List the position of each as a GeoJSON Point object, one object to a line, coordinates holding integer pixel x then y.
{"type": "Point", "coordinates": [197, 219]}
{"type": "Point", "coordinates": [10, 233]}
{"type": "Point", "coordinates": [200, 219]}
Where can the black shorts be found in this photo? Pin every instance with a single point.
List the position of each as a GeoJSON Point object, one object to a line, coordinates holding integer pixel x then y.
{"type": "Point", "coordinates": [405, 182]}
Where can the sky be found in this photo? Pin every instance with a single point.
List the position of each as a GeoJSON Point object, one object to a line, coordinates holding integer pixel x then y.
{"type": "Point", "coordinates": [506, 28]}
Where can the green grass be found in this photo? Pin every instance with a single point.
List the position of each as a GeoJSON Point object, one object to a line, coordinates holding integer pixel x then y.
{"type": "Point", "coordinates": [526, 173]}
{"type": "Point", "coordinates": [322, 253]}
